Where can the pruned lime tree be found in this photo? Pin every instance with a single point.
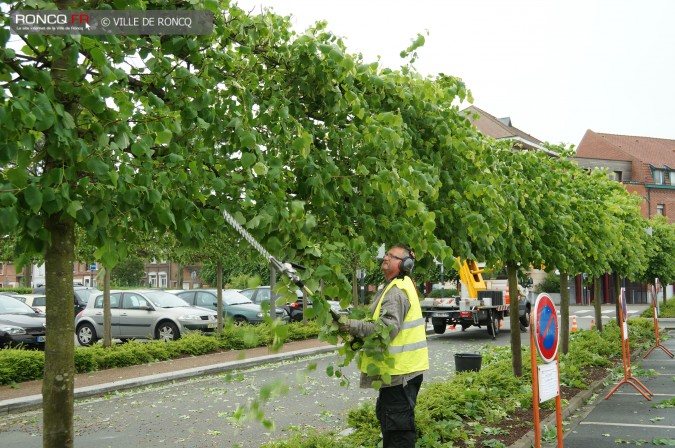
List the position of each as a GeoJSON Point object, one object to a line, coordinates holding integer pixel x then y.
{"type": "Point", "coordinates": [531, 207]}
{"type": "Point", "coordinates": [106, 133]}
{"type": "Point", "coordinates": [660, 263]}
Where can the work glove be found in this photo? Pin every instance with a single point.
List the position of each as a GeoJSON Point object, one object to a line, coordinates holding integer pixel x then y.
{"type": "Point", "coordinates": [343, 327]}
{"type": "Point", "coordinates": [341, 320]}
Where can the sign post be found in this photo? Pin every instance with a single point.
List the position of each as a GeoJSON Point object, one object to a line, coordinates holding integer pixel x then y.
{"type": "Point", "coordinates": [628, 377]}
{"type": "Point", "coordinates": [655, 307]}
{"type": "Point", "coordinates": [545, 335]}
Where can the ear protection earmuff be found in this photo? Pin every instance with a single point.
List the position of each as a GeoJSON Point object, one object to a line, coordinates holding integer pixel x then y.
{"type": "Point", "coordinates": [408, 263]}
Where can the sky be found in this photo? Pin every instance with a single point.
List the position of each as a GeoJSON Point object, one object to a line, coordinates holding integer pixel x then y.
{"type": "Point", "coordinates": [556, 68]}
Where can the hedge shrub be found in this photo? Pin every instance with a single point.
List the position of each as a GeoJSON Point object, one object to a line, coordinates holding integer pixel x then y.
{"type": "Point", "coordinates": [17, 365]}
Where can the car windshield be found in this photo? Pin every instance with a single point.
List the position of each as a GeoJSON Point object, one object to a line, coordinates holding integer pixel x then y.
{"type": "Point", "coordinates": [10, 305]}
{"type": "Point", "coordinates": [163, 299]}
{"type": "Point", "coordinates": [231, 297]}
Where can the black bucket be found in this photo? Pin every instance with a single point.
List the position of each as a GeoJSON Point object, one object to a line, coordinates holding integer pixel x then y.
{"type": "Point", "coordinates": [468, 362]}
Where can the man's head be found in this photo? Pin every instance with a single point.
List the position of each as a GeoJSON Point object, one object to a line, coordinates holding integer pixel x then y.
{"type": "Point", "coordinates": [398, 260]}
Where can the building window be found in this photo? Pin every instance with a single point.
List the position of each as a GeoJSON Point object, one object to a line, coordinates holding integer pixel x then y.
{"type": "Point", "coordinates": [2, 268]}
{"type": "Point", "coordinates": [616, 175]}
{"type": "Point", "coordinates": [152, 278]}
{"type": "Point", "coordinates": [672, 177]}
{"type": "Point", "coordinates": [660, 209]}
{"type": "Point", "coordinates": [658, 177]}
{"type": "Point", "coordinates": [162, 280]}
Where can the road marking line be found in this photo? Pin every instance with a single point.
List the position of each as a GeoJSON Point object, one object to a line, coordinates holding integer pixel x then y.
{"type": "Point", "coordinates": [656, 395]}
{"type": "Point", "coordinates": [628, 424]}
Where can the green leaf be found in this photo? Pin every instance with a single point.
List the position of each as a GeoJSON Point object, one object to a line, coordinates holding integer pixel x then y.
{"type": "Point", "coordinates": [302, 144]}
{"type": "Point", "coordinates": [98, 57]}
{"type": "Point", "coordinates": [73, 208]}
{"type": "Point", "coordinates": [163, 137]}
{"type": "Point", "coordinates": [33, 198]}
{"type": "Point", "coordinates": [247, 159]}
{"type": "Point", "coordinates": [8, 219]}
{"type": "Point", "coordinates": [98, 167]}
{"type": "Point", "coordinates": [260, 169]}
{"type": "Point", "coordinates": [247, 139]}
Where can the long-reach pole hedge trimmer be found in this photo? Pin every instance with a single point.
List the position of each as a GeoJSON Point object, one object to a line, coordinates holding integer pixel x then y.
{"type": "Point", "coordinates": [286, 268]}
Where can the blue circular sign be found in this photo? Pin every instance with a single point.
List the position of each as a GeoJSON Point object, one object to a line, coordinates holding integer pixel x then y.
{"type": "Point", "coordinates": [546, 328]}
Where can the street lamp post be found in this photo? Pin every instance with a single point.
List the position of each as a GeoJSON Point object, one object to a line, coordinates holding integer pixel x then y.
{"type": "Point", "coordinates": [442, 278]}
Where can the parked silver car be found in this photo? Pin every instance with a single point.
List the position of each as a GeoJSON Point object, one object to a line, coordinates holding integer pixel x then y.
{"type": "Point", "coordinates": [293, 308]}
{"type": "Point", "coordinates": [235, 306]}
{"type": "Point", "coordinates": [143, 314]}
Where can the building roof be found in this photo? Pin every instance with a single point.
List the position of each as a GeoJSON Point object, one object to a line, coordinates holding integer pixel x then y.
{"type": "Point", "coordinates": [657, 152]}
{"type": "Point", "coordinates": [501, 128]}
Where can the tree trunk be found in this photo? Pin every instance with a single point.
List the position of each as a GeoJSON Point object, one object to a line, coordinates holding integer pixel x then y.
{"type": "Point", "coordinates": [516, 353]}
{"type": "Point", "coordinates": [355, 288]}
{"type": "Point", "coordinates": [58, 383]}
{"type": "Point", "coordinates": [28, 276]}
{"type": "Point", "coordinates": [219, 281]}
{"type": "Point", "coordinates": [564, 312]}
{"type": "Point", "coordinates": [107, 313]}
{"type": "Point", "coordinates": [597, 303]}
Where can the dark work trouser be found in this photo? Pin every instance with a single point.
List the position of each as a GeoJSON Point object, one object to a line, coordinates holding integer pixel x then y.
{"type": "Point", "coordinates": [395, 409]}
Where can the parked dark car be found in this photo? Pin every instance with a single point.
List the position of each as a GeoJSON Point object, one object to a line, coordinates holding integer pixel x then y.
{"type": "Point", "coordinates": [82, 294]}
{"type": "Point", "coordinates": [293, 304]}
{"type": "Point", "coordinates": [21, 325]}
{"type": "Point", "coordinates": [235, 305]}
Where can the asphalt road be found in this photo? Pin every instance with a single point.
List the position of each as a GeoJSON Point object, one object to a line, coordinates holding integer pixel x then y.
{"type": "Point", "coordinates": [200, 412]}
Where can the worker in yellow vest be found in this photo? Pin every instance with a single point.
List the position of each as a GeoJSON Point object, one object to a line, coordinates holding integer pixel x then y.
{"type": "Point", "coordinates": [406, 358]}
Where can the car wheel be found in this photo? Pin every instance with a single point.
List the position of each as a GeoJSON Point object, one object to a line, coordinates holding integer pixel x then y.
{"type": "Point", "coordinates": [493, 327]}
{"type": "Point", "coordinates": [86, 334]}
{"type": "Point", "coordinates": [239, 321]}
{"type": "Point", "coordinates": [167, 331]}
{"type": "Point", "coordinates": [525, 321]}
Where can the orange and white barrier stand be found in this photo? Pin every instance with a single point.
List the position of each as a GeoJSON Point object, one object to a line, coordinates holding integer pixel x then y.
{"type": "Point", "coordinates": [574, 324]}
{"type": "Point", "coordinates": [628, 377]}
{"type": "Point", "coordinates": [656, 328]}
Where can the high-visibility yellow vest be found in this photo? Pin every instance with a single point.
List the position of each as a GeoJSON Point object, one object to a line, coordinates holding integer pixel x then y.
{"type": "Point", "coordinates": [408, 350]}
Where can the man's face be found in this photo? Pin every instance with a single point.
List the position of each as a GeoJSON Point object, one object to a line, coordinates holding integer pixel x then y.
{"type": "Point", "coordinates": [391, 264]}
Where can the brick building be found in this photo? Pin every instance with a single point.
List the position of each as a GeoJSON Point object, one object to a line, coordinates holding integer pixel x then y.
{"type": "Point", "coordinates": [169, 275]}
{"type": "Point", "coordinates": [646, 167]}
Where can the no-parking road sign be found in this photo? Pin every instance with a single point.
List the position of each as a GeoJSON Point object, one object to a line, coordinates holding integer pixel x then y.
{"type": "Point", "coordinates": [546, 328]}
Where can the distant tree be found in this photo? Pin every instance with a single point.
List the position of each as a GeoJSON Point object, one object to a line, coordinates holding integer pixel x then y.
{"type": "Point", "coordinates": [550, 284]}
{"type": "Point", "coordinates": [128, 272]}
{"type": "Point", "coordinates": [661, 252]}
{"type": "Point", "coordinates": [250, 264]}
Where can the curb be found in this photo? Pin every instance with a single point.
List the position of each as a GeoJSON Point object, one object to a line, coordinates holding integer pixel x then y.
{"type": "Point", "coordinates": [35, 401]}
